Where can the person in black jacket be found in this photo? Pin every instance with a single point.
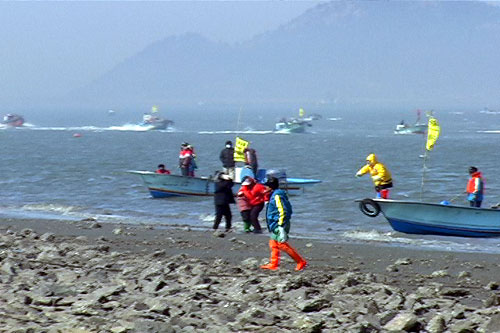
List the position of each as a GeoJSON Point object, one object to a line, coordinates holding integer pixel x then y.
{"type": "Point", "coordinates": [227, 158]}
{"type": "Point", "coordinates": [223, 196]}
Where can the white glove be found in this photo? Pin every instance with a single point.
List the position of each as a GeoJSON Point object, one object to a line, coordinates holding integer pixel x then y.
{"type": "Point", "coordinates": [282, 235]}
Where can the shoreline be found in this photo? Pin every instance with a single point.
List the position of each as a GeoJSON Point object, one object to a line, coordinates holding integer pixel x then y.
{"type": "Point", "coordinates": [118, 255]}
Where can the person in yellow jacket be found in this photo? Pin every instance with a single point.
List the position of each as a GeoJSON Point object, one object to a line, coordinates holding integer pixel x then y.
{"type": "Point", "coordinates": [381, 177]}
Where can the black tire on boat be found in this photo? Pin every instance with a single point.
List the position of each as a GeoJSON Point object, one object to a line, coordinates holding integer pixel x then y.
{"type": "Point", "coordinates": [369, 207]}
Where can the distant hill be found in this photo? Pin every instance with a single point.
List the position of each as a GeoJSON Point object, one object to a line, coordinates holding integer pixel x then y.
{"type": "Point", "coordinates": [408, 54]}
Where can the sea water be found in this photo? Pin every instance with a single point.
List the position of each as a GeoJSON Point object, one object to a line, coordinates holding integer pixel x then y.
{"type": "Point", "coordinates": [47, 172]}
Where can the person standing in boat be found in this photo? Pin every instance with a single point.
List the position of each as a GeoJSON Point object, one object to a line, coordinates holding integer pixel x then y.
{"type": "Point", "coordinates": [278, 214]}
{"type": "Point", "coordinates": [251, 160]}
{"type": "Point", "coordinates": [162, 170]}
{"type": "Point", "coordinates": [185, 159]}
{"type": "Point", "coordinates": [223, 197]}
{"type": "Point", "coordinates": [192, 165]}
{"type": "Point", "coordinates": [381, 176]}
{"type": "Point", "coordinates": [227, 158]}
{"type": "Point", "coordinates": [475, 187]}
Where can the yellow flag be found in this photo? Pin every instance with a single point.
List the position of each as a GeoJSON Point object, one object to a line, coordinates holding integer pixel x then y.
{"type": "Point", "coordinates": [433, 130]}
{"type": "Point", "coordinates": [239, 147]}
{"type": "Point", "coordinates": [301, 112]}
{"type": "Point", "coordinates": [154, 109]}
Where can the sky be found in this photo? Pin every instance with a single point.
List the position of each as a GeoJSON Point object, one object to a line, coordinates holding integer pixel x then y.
{"type": "Point", "coordinates": [48, 48]}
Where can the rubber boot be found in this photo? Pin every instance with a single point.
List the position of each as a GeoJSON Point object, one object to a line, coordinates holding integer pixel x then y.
{"type": "Point", "coordinates": [384, 193]}
{"type": "Point", "coordinates": [274, 261]}
{"type": "Point", "coordinates": [301, 262]}
{"type": "Point", "coordinates": [246, 226]}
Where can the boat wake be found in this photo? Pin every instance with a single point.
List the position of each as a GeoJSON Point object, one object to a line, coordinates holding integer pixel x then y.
{"type": "Point", "coordinates": [490, 132]}
{"type": "Point", "coordinates": [236, 132]}
{"type": "Point", "coordinates": [122, 128]}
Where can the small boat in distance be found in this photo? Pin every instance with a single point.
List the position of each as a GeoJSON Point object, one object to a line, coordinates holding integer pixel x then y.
{"type": "Point", "coordinates": [436, 219]}
{"type": "Point", "coordinates": [153, 121]}
{"type": "Point", "coordinates": [13, 120]}
{"type": "Point", "coordinates": [416, 128]}
{"type": "Point", "coordinates": [292, 125]}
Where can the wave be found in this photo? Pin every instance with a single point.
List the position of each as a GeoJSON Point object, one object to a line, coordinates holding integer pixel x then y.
{"type": "Point", "coordinates": [490, 132]}
{"type": "Point", "coordinates": [236, 132]}
{"type": "Point", "coordinates": [437, 243]}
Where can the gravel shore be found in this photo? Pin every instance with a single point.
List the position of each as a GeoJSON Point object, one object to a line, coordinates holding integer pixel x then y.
{"type": "Point", "coordinates": [60, 276]}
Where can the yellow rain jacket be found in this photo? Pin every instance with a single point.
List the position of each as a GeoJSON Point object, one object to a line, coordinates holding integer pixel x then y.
{"type": "Point", "coordinates": [380, 175]}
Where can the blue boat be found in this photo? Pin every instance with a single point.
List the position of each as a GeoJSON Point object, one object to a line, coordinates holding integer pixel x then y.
{"type": "Point", "coordinates": [163, 185]}
{"type": "Point", "coordinates": [437, 219]}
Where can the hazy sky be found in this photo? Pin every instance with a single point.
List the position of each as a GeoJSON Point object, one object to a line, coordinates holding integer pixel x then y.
{"type": "Point", "coordinates": [48, 47]}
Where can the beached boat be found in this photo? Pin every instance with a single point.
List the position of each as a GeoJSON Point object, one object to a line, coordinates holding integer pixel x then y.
{"type": "Point", "coordinates": [13, 120]}
{"type": "Point", "coordinates": [162, 185]}
{"type": "Point", "coordinates": [438, 219]}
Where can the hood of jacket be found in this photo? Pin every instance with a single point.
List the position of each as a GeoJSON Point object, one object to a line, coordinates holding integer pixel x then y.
{"type": "Point", "coordinates": [371, 159]}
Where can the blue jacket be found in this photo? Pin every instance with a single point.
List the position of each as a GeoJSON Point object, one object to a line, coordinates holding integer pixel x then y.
{"type": "Point", "coordinates": [279, 211]}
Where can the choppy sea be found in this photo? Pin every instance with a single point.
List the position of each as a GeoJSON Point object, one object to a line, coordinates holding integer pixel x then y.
{"type": "Point", "coordinates": [46, 172]}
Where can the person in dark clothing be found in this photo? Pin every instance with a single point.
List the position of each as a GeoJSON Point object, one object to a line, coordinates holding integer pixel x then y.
{"type": "Point", "coordinates": [223, 196]}
{"type": "Point", "coordinates": [227, 158]}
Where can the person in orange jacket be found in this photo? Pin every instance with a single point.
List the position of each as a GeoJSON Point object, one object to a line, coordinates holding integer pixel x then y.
{"type": "Point", "coordinates": [278, 214]}
{"type": "Point", "coordinates": [162, 170]}
{"type": "Point", "coordinates": [475, 187]}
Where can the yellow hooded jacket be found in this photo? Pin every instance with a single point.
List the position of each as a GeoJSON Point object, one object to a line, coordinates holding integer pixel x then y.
{"type": "Point", "coordinates": [378, 171]}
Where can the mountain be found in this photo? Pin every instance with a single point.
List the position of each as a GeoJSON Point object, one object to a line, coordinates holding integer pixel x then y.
{"type": "Point", "coordinates": [365, 53]}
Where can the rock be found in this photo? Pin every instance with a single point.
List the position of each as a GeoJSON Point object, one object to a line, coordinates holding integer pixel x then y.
{"type": "Point", "coordinates": [250, 263]}
{"type": "Point", "coordinates": [492, 300]}
{"type": "Point", "coordinates": [492, 286]}
{"type": "Point", "coordinates": [402, 322]}
{"type": "Point", "coordinates": [403, 261]}
{"type": "Point", "coordinates": [436, 324]}
{"type": "Point", "coordinates": [313, 306]}
{"type": "Point", "coordinates": [95, 225]}
{"type": "Point", "coordinates": [118, 231]}
{"type": "Point", "coordinates": [464, 275]}
{"type": "Point", "coordinates": [48, 237]}
{"type": "Point", "coordinates": [440, 273]}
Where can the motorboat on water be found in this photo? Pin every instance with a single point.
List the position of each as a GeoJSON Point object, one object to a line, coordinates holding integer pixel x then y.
{"type": "Point", "coordinates": [163, 185]}
{"type": "Point", "coordinates": [416, 128]}
{"type": "Point", "coordinates": [414, 217]}
{"type": "Point", "coordinates": [152, 121]}
{"type": "Point", "coordinates": [292, 125]}
{"type": "Point", "coordinates": [13, 120]}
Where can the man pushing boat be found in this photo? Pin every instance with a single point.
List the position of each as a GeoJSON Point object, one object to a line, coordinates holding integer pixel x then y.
{"type": "Point", "coordinates": [381, 176]}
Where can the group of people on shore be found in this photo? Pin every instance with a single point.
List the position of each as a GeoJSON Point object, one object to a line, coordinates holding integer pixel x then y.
{"type": "Point", "coordinates": [251, 198]}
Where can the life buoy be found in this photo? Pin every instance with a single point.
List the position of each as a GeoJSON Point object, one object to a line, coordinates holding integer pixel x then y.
{"type": "Point", "coordinates": [369, 207]}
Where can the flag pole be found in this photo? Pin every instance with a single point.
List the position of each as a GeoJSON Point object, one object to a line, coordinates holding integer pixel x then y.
{"type": "Point", "coordinates": [423, 175]}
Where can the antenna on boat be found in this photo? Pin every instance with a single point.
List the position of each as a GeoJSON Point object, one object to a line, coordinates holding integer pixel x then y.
{"type": "Point", "coordinates": [239, 119]}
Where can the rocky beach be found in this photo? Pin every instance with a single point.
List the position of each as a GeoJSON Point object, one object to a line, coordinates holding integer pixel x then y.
{"type": "Point", "coordinates": [61, 276]}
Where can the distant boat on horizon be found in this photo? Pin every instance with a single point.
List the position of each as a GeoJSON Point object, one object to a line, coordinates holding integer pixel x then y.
{"type": "Point", "coordinates": [416, 128]}
{"type": "Point", "coordinates": [155, 122]}
{"type": "Point", "coordinates": [13, 120]}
